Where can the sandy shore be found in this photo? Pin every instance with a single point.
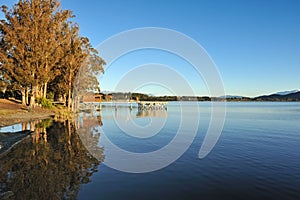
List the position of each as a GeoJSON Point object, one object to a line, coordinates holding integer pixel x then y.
{"type": "Point", "coordinates": [13, 113]}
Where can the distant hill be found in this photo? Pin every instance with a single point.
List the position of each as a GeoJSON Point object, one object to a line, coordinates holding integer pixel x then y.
{"type": "Point", "coordinates": [277, 97]}
{"type": "Point", "coordinates": [287, 92]}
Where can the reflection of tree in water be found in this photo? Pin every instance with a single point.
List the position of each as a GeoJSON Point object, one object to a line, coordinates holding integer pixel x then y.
{"type": "Point", "coordinates": [90, 135]}
{"type": "Point", "coordinates": [48, 165]}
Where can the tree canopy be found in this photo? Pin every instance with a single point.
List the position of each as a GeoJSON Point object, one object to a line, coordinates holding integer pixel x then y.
{"type": "Point", "coordinates": [41, 50]}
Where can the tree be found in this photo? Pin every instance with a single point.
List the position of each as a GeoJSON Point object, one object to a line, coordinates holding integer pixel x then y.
{"type": "Point", "coordinates": [30, 37]}
{"type": "Point", "coordinates": [14, 50]}
{"type": "Point", "coordinates": [40, 47]}
{"type": "Point", "coordinates": [86, 79]}
{"type": "Point", "coordinates": [80, 64]}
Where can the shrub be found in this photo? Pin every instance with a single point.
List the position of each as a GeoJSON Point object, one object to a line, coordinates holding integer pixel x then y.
{"type": "Point", "coordinates": [50, 95]}
{"type": "Point", "coordinates": [46, 103]}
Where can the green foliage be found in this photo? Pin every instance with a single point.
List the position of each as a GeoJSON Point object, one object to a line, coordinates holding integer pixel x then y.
{"type": "Point", "coordinates": [46, 103]}
{"type": "Point", "coordinates": [50, 95]}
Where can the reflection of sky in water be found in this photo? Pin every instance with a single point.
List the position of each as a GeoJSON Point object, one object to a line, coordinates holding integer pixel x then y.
{"type": "Point", "coordinates": [135, 131]}
{"type": "Point", "coordinates": [144, 131]}
{"type": "Point", "coordinates": [12, 128]}
{"type": "Point", "coordinates": [131, 130]}
{"type": "Point", "coordinates": [256, 156]}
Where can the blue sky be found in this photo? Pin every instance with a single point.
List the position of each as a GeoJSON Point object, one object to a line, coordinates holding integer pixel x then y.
{"type": "Point", "coordinates": [255, 44]}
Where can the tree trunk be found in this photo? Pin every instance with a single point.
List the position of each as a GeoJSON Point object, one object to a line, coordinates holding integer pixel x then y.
{"type": "Point", "coordinates": [74, 104]}
{"type": "Point", "coordinates": [65, 99]}
{"type": "Point", "coordinates": [32, 98]}
{"type": "Point", "coordinates": [27, 96]}
{"type": "Point", "coordinates": [69, 100]}
{"type": "Point", "coordinates": [37, 91]}
{"type": "Point", "coordinates": [40, 91]}
{"type": "Point", "coordinates": [23, 92]}
{"type": "Point", "coordinates": [70, 94]}
{"type": "Point", "coordinates": [77, 103]}
{"type": "Point", "coordinates": [45, 90]}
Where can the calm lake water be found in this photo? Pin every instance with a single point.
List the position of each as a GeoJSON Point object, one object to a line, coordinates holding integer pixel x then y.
{"type": "Point", "coordinates": [256, 157]}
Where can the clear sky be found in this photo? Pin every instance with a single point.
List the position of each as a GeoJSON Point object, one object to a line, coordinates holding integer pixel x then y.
{"type": "Point", "coordinates": [255, 44]}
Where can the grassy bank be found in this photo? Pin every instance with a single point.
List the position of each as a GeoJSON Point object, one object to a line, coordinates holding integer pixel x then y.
{"type": "Point", "coordinates": [12, 112]}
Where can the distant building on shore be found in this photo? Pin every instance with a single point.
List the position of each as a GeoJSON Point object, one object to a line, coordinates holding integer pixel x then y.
{"type": "Point", "coordinates": [96, 97]}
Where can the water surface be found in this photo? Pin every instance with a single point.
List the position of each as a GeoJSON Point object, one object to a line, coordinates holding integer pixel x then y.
{"type": "Point", "coordinates": [256, 157]}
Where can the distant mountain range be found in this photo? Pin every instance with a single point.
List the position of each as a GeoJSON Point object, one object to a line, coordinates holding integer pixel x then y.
{"type": "Point", "coordinates": [281, 96]}
{"type": "Point", "coordinates": [287, 92]}
{"type": "Point", "coordinates": [292, 95]}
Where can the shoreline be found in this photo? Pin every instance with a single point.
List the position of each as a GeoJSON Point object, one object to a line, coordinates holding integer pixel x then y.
{"type": "Point", "coordinates": [17, 118]}
{"type": "Point", "coordinates": [12, 113]}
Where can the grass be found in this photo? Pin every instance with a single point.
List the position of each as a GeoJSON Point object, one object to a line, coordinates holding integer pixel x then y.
{"type": "Point", "coordinates": [62, 112]}
{"type": "Point", "coordinates": [4, 112]}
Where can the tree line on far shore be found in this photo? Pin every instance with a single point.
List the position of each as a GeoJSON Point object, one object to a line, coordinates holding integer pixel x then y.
{"type": "Point", "coordinates": [42, 53]}
{"type": "Point", "coordinates": [119, 96]}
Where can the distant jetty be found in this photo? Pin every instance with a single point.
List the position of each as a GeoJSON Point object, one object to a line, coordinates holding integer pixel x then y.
{"type": "Point", "coordinates": [141, 105]}
{"type": "Point", "coordinates": [152, 105]}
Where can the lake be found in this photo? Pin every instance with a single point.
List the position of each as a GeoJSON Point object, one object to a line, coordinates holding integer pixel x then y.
{"type": "Point", "coordinates": [257, 155]}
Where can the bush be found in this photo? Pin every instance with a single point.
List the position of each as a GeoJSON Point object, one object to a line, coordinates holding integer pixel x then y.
{"type": "Point", "coordinates": [50, 95]}
{"type": "Point", "coordinates": [46, 103]}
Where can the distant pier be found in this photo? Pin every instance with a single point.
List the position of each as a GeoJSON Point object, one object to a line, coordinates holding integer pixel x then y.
{"type": "Point", "coordinates": [152, 105]}
{"type": "Point", "coordinates": [141, 105]}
